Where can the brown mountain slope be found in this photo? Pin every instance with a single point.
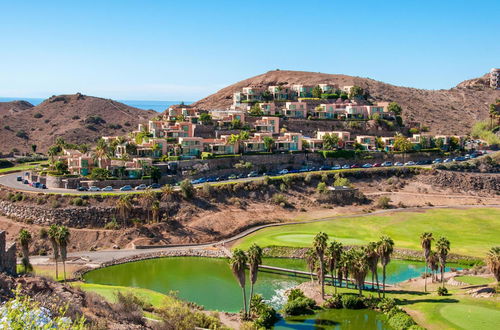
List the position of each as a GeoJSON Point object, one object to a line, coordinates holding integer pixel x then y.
{"type": "Point", "coordinates": [73, 117]}
{"type": "Point", "coordinates": [452, 111]}
{"type": "Point", "coordinates": [10, 108]}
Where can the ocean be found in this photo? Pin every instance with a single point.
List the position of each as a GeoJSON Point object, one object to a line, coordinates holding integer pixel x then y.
{"type": "Point", "coordinates": [158, 106]}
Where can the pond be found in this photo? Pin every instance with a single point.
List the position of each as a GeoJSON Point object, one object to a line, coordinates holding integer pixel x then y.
{"type": "Point", "coordinates": [336, 319]}
{"type": "Point", "coordinates": [209, 282]}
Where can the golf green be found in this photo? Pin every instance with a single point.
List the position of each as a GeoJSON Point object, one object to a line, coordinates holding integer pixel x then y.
{"type": "Point", "coordinates": [471, 231]}
{"type": "Point", "coordinates": [467, 316]}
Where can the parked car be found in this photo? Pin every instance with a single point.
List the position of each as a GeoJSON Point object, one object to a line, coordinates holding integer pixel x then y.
{"type": "Point", "coordinates": [460, 159]}
{"type": "Point", "coordinates": [367, 165]}
{"type": "Point", "coordinates": [43, 186]}
{"type": "Point", "coordinates": [154, 186]}
{"type": "Point", "coordinates": [19, 178]}
{"type": "Point", "coordinates": [142, 186]}
{"type": "Point", "coordinates": [241, 175]}
{"type": "Point", "coordinates": [94, 188]}
{"type": "Point", "coordinates": [107, 188]}
{"type": "Point", "coordinates": [232, 177]}
{"type": "Point", "coordinates": [336, 167]}
{"type": "Point", "coordinates": [126, 188]}
{"type": "Point", "coordinates": [385, 164]}
{"type": "Point", "coordinates": [284, 171]}
{"type": "Point", "coordinates": [82, 188]}
{"type": "Point", "coordinates": [36, 184]}
{"type": "Point", "coordinates": [252, 174]}
{"type": "Point", "coordinates": [25, 182]}
{"type": "Point", "coordinates": [346, 166]}
{"type": "Point", "coordinates": [398, 164]}
{"type": "Point", "coordinates": [354, 166]}
{"type": "Point", "coordinates": [410, 163]}
{"type": "Point", "coordinates": [437, 161]}
{"type": "Point", "coordinates": [377, 165]}
{"type": "Point", "coordinates": [447, 160]}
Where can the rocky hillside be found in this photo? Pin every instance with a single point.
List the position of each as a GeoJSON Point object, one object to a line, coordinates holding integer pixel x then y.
{"type": "Point", "coordinates": [451, 111]}
{"type": "Point", "coordinates": [77, 118]}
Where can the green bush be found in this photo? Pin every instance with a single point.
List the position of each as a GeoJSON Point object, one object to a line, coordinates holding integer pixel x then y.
{"type": "Point", "coordinates": [77, 201]}
{"type": "Point", "coordinates": [442, 291]}
{"type": "Point", "coordinates": [187, 189]}
{"type": "Point", "coordinates": [321, 188]}
{"type": "Point", "coordinates": [386, 304]}
{"type": "Point", "coordinates": [265, 316]}
{"type": "Point", "coordinates": [400, 320]}
{"type": "Point", "coordinates": [5, 163]}
{"type": "Point", "coordinates": [207, 155]}
{"type": "Point", "coordinates": [299, 306]}
{"type": "Point", "coordinates": [384, 202]}
{"type": "Point", "coordinates": [112, 225]}
{"type": "Point", "coordinates": [333, 302]}
{"type": "Point", "coordinates": [295, 294]}
{"type": "Point", "coordinates": [352, 302]}
{"type": "Point", "coordinates": [347, 154]}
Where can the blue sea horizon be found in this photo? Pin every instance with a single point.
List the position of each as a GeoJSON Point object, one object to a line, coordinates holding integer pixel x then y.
{"type": "Point", "coordinates": [158, 106]}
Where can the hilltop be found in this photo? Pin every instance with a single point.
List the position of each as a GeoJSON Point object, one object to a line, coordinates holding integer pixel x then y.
{"type": "Point", "coordinates": [77, 118]}
{"type": "Point", "coordinates": [451, 111]}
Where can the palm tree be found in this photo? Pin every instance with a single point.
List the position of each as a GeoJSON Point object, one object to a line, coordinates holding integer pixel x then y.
{"type": "Point", "coordinates": [124, 206]}
{"type": "Point", "coordinates": [53, 233]}
{"type": "Point", "coordinates": [426, 242]}
{"type": "Point", "coordinates": [372, 259]}
{"type": "Point", "coordinates": [147, 198]}
{"type": "Point", "coordinates": [334, 252]}
{"type": "Point", "coordinates": [385, 249]}
{"type": "Point", "coordinates": [63, 240]}
{"type": "Point", "coordinates": [443, 248]}
{"type": "Point", "coordinates": [433, 264]}
{"type": "Point", "coordinates": [493, 262]}
{"type": "Point", "coordinates": [155, 211]}
{"type": "Point", "coordinates": [238, 264]}
{"type": "Point", "coordinates": [166, 191]}
{"type": "Point", "coordinates": [254, 259]}
{"type": "Point", "coordinates": [319, 245]}
{"type": "Point", "coordinates": [358, 268]}
{"type": "Point", "coordinates": [311, 262]}
{"type": "Point", "coordinates": [25, 240]}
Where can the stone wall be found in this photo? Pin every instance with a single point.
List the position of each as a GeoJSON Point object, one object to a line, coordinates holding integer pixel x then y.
{"type": "Point", "coordinates": [7, 255]}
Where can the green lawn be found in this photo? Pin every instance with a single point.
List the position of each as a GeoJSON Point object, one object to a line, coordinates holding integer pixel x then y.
{"type": "Point", "coordinates": [472, 232]}
{"type": "Point", "coordinates": [21, 167]}
{"type": "Point", "coordinates": [474, 280]}
{"type": "Point", "coordinates": [108, 292]}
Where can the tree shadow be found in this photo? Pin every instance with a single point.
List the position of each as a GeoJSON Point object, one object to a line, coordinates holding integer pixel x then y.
{"type": "Point", "coordinates": [442, 300]}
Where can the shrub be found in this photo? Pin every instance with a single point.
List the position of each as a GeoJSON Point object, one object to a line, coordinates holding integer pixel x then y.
{"type": "Point", "coordinates": [265, 316]}
{"type": "Point", "coordinates": [352, 302]}
{"type": "Point", "coordinates": [386, 304]}
{"type": "Point", "coordinates": [340, 181]}
{"type": "Point", "coordinates": [333, 302]}
{"type": "Point", "coordinates": [112, 225]}
{"type": "Point", "coordinates": [384, 202]}
{"type": "Point", "coordinates": [207, 155]}
{"type": "Point", "coordinates": [321, 188]}
{"type": "Point", "coordinates": [279, 199]}
{"type": "Point", "coordinates": [22, 134]}
{"type": "Point", "coordinates": [308, 178]}
{"type": "Point", "coordinates": [43, 233]}
{"type": "Point", "coordinates": [398, 319]}
{"type": "Point", "coordinates": [283, 187]}
{"type": "Point", "coordinates": [295, 294]}
{"type": "Point", "coordinates": [299, 306]}
{"type": "Point", "coordinates": [75, 117]}
{"type": "Point", "coordinates": [207, 189]}
{"type": "Point", "coordinates": [187, 189]}
{"type": "Point", "coordinates": [442, 291]}
{"type": "Point", "coordinates": [38, 115]}
{"type": "Point", "coordinates": [99, 173]}
{"type": "Point", "coordinates": [77, 201]}
{"type": "Point", "coordinates": [324, 177]}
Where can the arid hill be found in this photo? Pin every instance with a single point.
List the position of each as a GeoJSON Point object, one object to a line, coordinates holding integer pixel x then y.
{"type": "Point", "coordinates": [451, 111]}
{"type": "Point", "coordinates": [76, 118]}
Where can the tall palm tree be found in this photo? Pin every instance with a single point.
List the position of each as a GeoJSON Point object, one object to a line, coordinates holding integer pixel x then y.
{"type": "Point", "coordinates": [343, 267]}
{"type": "Point", "coordinates": [63, 240]}
{"type": "Point", "coordinates": [358, 268]}
{"type": "Point", "coordinates": [155, 211]}
{"type": "Point", "coordinates": [147, 198]}
{"type": "Point", "coordinates": [493, 262]}
{"type": "Point", "coordinates": [442, 249]}
{"type": "Point", "coordinates": [426, 242]}
{"type": "Point", "coordinates": [25, 239]}
{"type": "Point", "coordinates": [53, 233]}
{"type": "Point", "coordinates": [433, 264]}
{"type": "Point", "coordinates": [333, 253]}
{"type": "Point", "coordinates": [238, 264]}
{"type": "Point", "coordinates": [166, 191]}
{"type": "Point", "coordinates": [385, 249]}
{"type": "Point", "coordinates": [254, 259]}
{"type": "Point", "coordinates": [372, 259]}
{"type": "Point", "coordinates": [311, 262]}
{"type": "Point", "coordinates": [319, 244]}
{"type": "Point", "coordinates": [124, 206]}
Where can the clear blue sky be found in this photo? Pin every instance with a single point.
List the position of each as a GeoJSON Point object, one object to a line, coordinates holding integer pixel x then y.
{"type": "Point", "coordinates": [184, 50]}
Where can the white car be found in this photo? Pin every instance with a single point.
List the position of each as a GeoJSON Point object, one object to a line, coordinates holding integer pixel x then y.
{"type": "Point", "coordinates": [410, 163]}
{"type": "Point", "coordinates": [141, 187]}
{"type": "Point", "coordinates": [107, 188]}
{"type": "Point", "coordinates": [94, 188]}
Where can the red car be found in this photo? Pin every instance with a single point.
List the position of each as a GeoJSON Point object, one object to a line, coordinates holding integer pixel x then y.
{"type": "Point", "coordinates": [376, 165]}
{"type": "Point", "coordinates": [354, 166]}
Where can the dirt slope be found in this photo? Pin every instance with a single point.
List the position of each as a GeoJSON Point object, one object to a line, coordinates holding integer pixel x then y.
{"type": "Point", "coordinates": [72, 117]}
{"type": "Point", "coordinates": [445, 111]}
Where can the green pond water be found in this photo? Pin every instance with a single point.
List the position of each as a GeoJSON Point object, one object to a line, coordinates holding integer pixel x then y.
{"type": "Point", "coordinates": [336, 319]}
{"type": "Point", "coordinates": [210, 283]}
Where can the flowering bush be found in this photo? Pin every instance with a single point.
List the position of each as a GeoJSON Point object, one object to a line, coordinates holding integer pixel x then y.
{"type": "Point", "coordinates": [24, 313]}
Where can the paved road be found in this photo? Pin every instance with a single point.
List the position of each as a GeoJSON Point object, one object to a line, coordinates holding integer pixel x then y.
{"type": "Point", "coordinates": [98, 257]}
